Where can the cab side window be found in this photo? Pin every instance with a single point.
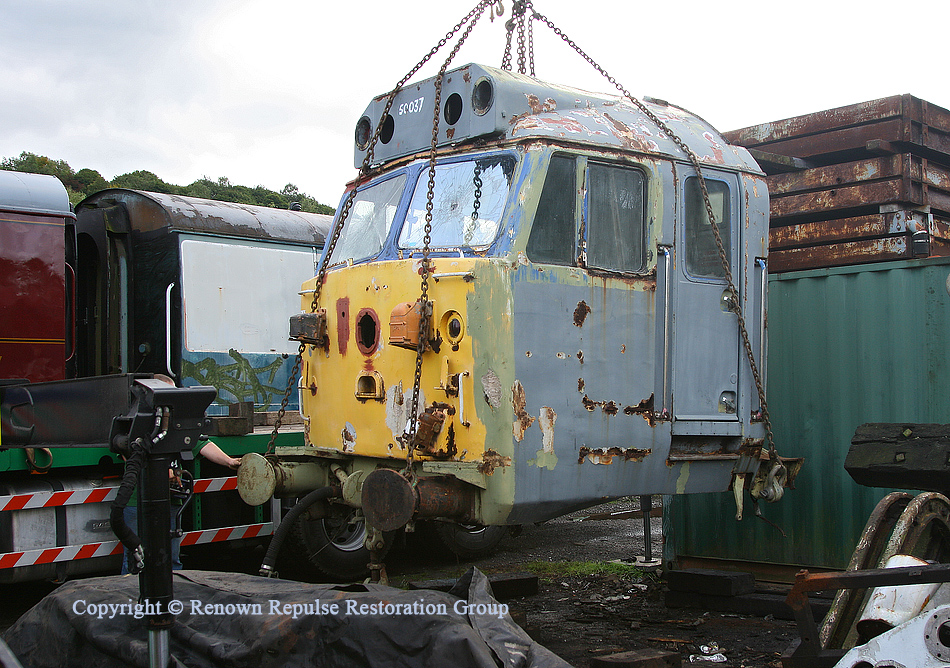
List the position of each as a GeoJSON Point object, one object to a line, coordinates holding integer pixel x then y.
{"type": "Point", "coordinates": [615, 207]}
{"type": "Point", "coordinates": [553, 233]}
{"type": "Point", "coordinates": [702, 254]}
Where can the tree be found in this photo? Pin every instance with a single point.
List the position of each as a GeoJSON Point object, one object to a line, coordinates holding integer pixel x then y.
{"type": "Point", "coordinates": [143, 180]}
{"type": "Point", "coordinates": [85, 182]}
{"type": "Point", "coordinates": [38, 164]}
{"type": "Point", "coordinates": [90, 181]}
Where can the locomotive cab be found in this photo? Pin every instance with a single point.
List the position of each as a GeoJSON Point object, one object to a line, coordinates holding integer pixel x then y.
{"type": "Point", "coordinates": [583, 342]}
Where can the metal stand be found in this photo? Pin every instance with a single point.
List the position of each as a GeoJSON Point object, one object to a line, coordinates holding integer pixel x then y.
{"type": "Point", "coordinates": [647, 562]}
{"type": "Point", "coordinates": [178, 417]}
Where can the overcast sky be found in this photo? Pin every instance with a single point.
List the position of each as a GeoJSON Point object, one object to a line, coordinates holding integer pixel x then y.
{"type": "Point", "coordinates": [267, 92]}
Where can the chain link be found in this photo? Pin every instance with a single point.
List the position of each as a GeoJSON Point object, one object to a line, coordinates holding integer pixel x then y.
{"type": "Point", "coordinates": [348, 203]}
{"type": "Point", "coordinates": [476, 205]}
{"type": "Point", "coordinates": [694, 161]}
{"type": "Point", "coordinates": [518, 20]}
{"type": "Point", "coordinates": [425, 315]}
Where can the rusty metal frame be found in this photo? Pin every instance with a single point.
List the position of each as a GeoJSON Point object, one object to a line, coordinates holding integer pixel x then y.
{"type": "Point", "coordinates": [807, 651]}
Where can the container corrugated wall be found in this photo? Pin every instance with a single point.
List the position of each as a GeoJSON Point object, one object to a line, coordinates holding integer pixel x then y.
{"type": "Point", "coordinates": [846, 346]}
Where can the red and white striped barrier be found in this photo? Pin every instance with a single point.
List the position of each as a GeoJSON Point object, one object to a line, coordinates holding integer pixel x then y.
{"type": "Point", "coordinates": [96, 495]}
{"type": "Point", "coordinates": [35, 500]}
{"type": "Point", "coordinates": [71, 552]}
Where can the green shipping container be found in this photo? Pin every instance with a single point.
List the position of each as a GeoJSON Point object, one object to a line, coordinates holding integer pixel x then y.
{"type": "Point", "coordinates": [848, 345]}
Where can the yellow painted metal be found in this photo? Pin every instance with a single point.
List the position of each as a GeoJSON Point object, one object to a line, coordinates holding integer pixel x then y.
{"type": "Point", "coordinates": [341, 420]}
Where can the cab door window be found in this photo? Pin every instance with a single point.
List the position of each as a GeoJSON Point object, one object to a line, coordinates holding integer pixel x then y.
{"type": "Point", "coordinates": [615, 226]}
{"type": "Point", "coordinates": [553, 234]}
{"type": "Point", "coordinates": [702, 253]}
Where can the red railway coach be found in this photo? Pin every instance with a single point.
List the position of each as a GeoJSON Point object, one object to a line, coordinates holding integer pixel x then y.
{"type": "Point", "coordinates": [36, 225]}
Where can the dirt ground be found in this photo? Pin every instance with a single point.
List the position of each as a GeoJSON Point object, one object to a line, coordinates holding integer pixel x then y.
{"type": "Point", "coordinates": [581, 617]}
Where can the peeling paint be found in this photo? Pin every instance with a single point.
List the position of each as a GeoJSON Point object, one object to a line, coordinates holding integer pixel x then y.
{"type": "Point", "coordinates": [491, 386]}
{"type": "Point", "coordinates": [348, 435]}
{"type": "Point", "coordinates": [522, 419]}
{"type": "Point", "coordinates": [546, 422]}
{"type": "Point", "coordinates": [580, 384]}
{"type": "Point", "coordinates": [682, 479]}
{"type": "Point", "coordinates": [395, 410]}
{"type": "Point", "coordinates": [545, 457]}
{"type": "Point", "coordinates": [492, 460]}
{"type": "Point", "coordinates": [580, 356]}
{"type": "Point", "coordinates": [606, 456]}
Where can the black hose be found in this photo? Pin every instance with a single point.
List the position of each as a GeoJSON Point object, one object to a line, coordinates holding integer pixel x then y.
{"type": "Point", "coordinates": [286, 524]}
{"type": "Point", "coordinates": [130, 478]}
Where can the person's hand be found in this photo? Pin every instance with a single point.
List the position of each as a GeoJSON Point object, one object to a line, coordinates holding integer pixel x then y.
{"type": "Point", "coordinates": [234, 463]}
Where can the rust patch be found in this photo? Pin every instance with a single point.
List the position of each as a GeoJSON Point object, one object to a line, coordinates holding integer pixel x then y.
{"type": "Point", "coordinates": [450, 133]}
{"type": "Point", "coordinates": [644, 409]}
{"type": "Point", "coordinates": [342, 323]}
{"type": "Point", "coordinates": [606, 455]}
{"type": "Point", "coordinates": [635, 138]}
{"type": "Point", "coordinates": [581, 313]}
{"type": "Point", "coordinates": [580, 356]}
{"type": "Point", "coordinates": [492, 460]}
{"type": "Point", "coordinates": [589, 404]}
{"type": "Point", "coordinates": [580, 384]}
{"type": "Point", "coordinates": [611, 408]}
{"type": "Point", "coordinates": [538, 107]}
{"type": "Point", "coordinates": [522, 419]}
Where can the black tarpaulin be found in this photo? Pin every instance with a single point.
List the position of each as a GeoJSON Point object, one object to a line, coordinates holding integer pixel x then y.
{"type": "Point", "coordinates": [236, 620]}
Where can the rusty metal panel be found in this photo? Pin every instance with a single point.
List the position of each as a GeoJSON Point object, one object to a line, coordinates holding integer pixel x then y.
{"type": "Point", "coordinates": [897, 179]}
{"type": "Point", "coordinates": [847, 346]}
{"type": "Point", "coordinates": [845, 229]}
{"type": "Point", "coordinates": [840, 254]}
{"type": "Point", "coordinates": [909, 121]}
{"type": "Point", "coordinates": [149, 211]}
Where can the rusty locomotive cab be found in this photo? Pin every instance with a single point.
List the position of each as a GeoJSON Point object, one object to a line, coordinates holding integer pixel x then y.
{"type": "Point", "coordinates": [581, 305]}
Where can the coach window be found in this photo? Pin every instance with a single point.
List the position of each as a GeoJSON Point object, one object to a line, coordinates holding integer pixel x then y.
{"type": "Point", "coordinates": [615, 218]}
{"type": "Point", "coordinates": [553, 232]}
{"type": "Point", "coordinates": [702, 254]}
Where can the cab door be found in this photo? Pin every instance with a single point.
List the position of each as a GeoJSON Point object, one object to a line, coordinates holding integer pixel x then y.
{"type": "Point", "coordinates": [705, 368]}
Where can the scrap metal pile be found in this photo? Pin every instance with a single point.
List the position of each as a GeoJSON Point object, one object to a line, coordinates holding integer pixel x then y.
{"type": "Point", "coordinates": [863, 183]}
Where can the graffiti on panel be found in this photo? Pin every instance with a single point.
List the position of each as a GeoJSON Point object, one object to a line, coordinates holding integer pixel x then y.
{"type": "Point", "coordinates": [240, 379]}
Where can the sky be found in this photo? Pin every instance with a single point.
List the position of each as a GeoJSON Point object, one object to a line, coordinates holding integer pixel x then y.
{"type": "Point", "coordinates": [268, 92]}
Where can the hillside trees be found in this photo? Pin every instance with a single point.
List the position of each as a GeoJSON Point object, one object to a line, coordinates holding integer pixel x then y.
{"type": "Point", "coordinates": [87, 181]}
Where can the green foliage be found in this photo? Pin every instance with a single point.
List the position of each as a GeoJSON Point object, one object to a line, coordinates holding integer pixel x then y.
{"type": "Point", "coordinates": [85, 182]}
{"type": "Point", "coordinates": [143, 180]}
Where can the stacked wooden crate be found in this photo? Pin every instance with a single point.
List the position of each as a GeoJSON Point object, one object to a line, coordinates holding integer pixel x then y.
{"type": "Point", "coordinates": [863, 183]}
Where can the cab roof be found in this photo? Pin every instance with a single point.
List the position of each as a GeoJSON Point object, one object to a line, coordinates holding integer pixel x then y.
{"type": "Point", "coordinates": [480, 102]}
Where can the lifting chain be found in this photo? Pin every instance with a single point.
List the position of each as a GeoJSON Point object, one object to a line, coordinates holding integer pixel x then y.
{"type": "Point", "coordinates": [364, 173]}
{"type": "Point", "coordinates": [519, 21]}
{"type": "Point", "coordinates": [723, 257]}
{"type": "Point", "coordinates": [409, 438]}
{"type": "Point", "coordinates": [476, 205]}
